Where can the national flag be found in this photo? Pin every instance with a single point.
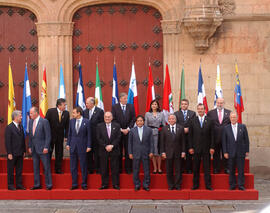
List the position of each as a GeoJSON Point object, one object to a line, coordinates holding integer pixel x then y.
{"type": "Point", "coordinates": [26, 103]}
{"type": "Point", "coordinates": [238, 100]}
{"type": "Point", "coordinates": [115, 97]}
{"type": "Point", "coordinates": [98, 93]}
{"type": "Point", "coordinates": [62, 89]}
{"type": "Point", "coordinates": [80, 99]}
{"type": "Point", "coordinates": [44, 99]}
{"type": "Point", "coordinates": [11, 95]}
{"type": "Point", "coordinates": [132, 92]}
{"type": "Point", "coordinates": [201, 91]}
{"type": "Point", "coordinates": [167, 95]}
{"type": "Point", "coordinates": [150, 90]}
{"type": "Point", "coordinates": [182, 87]}
{"type": "Point", "coordinates": [218, 91]}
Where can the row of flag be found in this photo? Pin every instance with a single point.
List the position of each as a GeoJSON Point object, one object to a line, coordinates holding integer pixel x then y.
{"type": "Point", "coordinates": [132, 93]}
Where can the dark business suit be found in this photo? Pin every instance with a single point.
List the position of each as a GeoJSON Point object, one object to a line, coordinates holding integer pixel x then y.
{"type": "Point", "coordinates": [93, 156]}
{"type": "Point", "coordinates": [15, 145]}
{"type": "Point", "coordinates": [140, 149]}
{"type": "Point", "coordinates": [37, 142]}
{"type": "Point", "coordinates": [126, 120]}
{"type": "Point", "coordinates": [104, 140]}
{"type": "Point", "coordinates": [78, 143]}
{"type": "Point", "coordinates": [218, 128]}
{"type": "Point", "coordinates": [59, 131]}
{"type": "Point", "coordinates": [237, 150]}
{"type": "Point", "coordinates": [173, 146]}
{"type": "Point", "coordinates": [185, 123]}
{"type": "Point", "coordinates": [201, 139]}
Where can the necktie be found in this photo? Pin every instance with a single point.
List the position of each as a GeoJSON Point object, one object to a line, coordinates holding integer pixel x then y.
{"type": "Point", "coordinates": [59, 116]}
{"type": "Point", "coordinates": [185, 115]}
{"type": "Point", "coordinates": [234, 132]}
{"type": "Point", "coordinates": [201, 121]}
{"type": "Point", "coordinates": [140, 133]}
{"type": "Point", "coordinates": [173, 132]}
{"type": "Point", "coordinates": [108, 131]}
{"type": "Point", "coordinates": [90, 114]}
{"type": "Point", "coordinates": [34, 126]}
{"type": "Point", "coordinates": [220, 116]}
{"type": "Point", "coordinates": [77, 126]}
{"type": "Point", "coordinates": [124, 109]}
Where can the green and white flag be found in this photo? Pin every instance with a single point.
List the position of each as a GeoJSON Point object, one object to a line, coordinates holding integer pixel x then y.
{"type": "Point", "coordinates": [98, 93]}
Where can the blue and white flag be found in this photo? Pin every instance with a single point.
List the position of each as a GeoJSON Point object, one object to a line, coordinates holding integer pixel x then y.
{"type": "Point", "coordinates": [62, 89]}
{"type": "Point", "coordinates": [218, 90]}
{"type": "Point", "coordinates": [26, 103]}
{"type": "Point", "coordinates": [80, 99]}
{"type": "Point", "coordinates": [115, 87]}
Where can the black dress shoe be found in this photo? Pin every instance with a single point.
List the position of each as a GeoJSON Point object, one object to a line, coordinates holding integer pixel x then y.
{"type": "Point", "coordinates": [90, 172]}
{"type": "Point", "coordinates": [226, 171]}
{"type": "Point", "coordinates": [20, 188]}
{"type": "Point", "coordinates": [195, 187]}
{"type": "Point", "coordinates": [137, 188]}
{"type": "Point", "coordinates": [146, 189]}
{"type": "Point", "coordinates": [129, 172]}
{"type": "Point", "coordinates": [159, 172]}
{"type": "Point", "coordinates": [242, 188]}
{"type": "Point", "coordinates": [232, 187]}
{"type": "Point", "coordinates": [177, 188]}
{"type": "Point", "coordinates": [11, 188]}
{"type": "Point", "coordinates": [73, 187]}
{"type": "Point", "coordinates": [116, 187]}
{"type": "Point", "coordinates": [84, 188]}
{"type": "Point", "coordinates": [49, 188]}
{"type": "Point", "coordinates": [35, 187]}
{"type": "Point", "coordinates": [209, 188]}
{"type": "Point", "coordinates": [59, 172]}
{"type": "Point", "coordinates": [154, 172]}
{"type": "Point", "coordinates": [189, 172]}
{"type": "Point", "coordinates": [216, 171]}
{"type": "Point", "coordinates": [103, 187]}
{"type": "Point", "coordinates": [171, 188]}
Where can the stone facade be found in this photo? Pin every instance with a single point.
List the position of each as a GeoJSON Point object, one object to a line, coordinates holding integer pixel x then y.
{"type": "Point", "coordinates": [213, 31]}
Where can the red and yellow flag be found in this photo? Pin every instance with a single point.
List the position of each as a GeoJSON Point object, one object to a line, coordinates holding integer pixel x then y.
{"type": "Point", "coordinates": [44, 99]}
{"type": "Point", "coordinates": [11, 95]}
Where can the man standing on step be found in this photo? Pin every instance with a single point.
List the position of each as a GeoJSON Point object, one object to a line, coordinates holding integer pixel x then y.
{"type": "Point", "coordinates": [201, 145]}
{"type": "Point", "coordinates": [220, 117]}
{"type": "Point", "coordinates": [95, 115]}
{"type": "Point", "coordinates": [172, 148]}
{"type": "Point", "coordinates": [235, 144]}
{"type": "Point", "coordinates": [15, 146]}
{"type": "Point", "coordinates": [140, 149]}
{"type": "Point", "coordinates": [183, 117]}
{"type": "Point", "coordinates": [78, 143]}
{"type": "Point", "coordinates": [58, 118]}
{"type": "Point", "coordinates": [108, 138]}
{"type": "Point", "coordinates": [124, 114]}
{"type": "Point", "coordinates": [39, 147]}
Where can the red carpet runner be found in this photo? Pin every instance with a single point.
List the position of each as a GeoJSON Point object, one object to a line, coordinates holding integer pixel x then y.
{"type": "Point", "coordinates": [158, 187]}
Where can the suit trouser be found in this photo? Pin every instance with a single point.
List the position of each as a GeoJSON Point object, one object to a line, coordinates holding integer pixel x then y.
{"type": "Point", "coordinates": [58, 144]}
{"type": "Point", "coordinates": [128, 162]}
{"type": "Point", "coordinates": [17, 164]}
{"type": "Point", "coordinates": [218, 158]}
{"type": "Point", "coordinates": [240, 162]}
{"type": "Point", "coordinates": [45, 159]}
{"type": "Point", "coordinates": [74, 157]}
{"type": "Point", "coordinates": [104, 169]}
{"type": "Point", "coordinates": [206, 167]}
{"type": "Point", "coordinates": [136, 170]}
{"type": "Point", "coordinates": [174, 180]}
{"type": "Point", "coordinates": [93, 159]}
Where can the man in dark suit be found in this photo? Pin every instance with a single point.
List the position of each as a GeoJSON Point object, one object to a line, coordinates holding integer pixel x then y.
{"type": "Point", "coordinates": [172, 148]}
{"type": "Point", "coordinates": [95, 115]}
{"type": "Point", "coordinates": [15, 146]}
{"type": "Point", "coordinates": [39, 147]}
{"type": "Point", "coordinates": [183, 118]}
{"type": "Point", "coordinates": [124, 114]}
{"type": "Point", "coordinates": [201, 145]}
{"type": "Point", "coordinates": [78, 143]}
{"type": "Point", "coordinates": [58, 118]}
{"type": "Point", "coordinates": [220, 117]}
{"type": "Point", "coordinates": [235, 144]}
{"type": "Point", "coordinates": [108, 138]}
{"type": "Point", "coordinates": [140, 149]}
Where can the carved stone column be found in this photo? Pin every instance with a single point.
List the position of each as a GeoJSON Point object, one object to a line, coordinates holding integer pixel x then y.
{"type": "Point", "coordinates": [171, 53]}
{"type": "Point", "coordinates": [201, 21]}
{"type": "Point", "coordinates": [55, 49]}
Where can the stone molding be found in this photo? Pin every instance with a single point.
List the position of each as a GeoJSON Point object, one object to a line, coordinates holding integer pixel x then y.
{"type": "Point", "coordinates": [55, 29]}
{"type": "Point", "coordinates": [170, 26]}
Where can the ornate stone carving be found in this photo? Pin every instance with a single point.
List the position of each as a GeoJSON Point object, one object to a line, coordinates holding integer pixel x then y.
{"type": "Point", "coordinates": [226, 7]}
{"type": "Point", "coordinates": [202, 22]}
{"type": "Point", "coordinates": [170, 26]}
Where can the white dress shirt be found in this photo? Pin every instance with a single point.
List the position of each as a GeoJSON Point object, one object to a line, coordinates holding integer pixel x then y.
{"type": "Point", "coordinates": [234, 128]}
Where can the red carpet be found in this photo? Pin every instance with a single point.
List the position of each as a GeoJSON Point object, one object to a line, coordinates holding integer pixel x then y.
{"type": "Point", "coordinates": [158, 187]}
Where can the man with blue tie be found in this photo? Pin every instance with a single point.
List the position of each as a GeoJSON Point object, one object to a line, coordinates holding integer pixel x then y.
{"type": "Point", "coordinates": [235, 144]}
{"type": "Point", "coordinates": [78, 143]}
{"type": "Point", "coordinates": [39, 147]}
{"type": "Point", "coordinates": [140, 149]}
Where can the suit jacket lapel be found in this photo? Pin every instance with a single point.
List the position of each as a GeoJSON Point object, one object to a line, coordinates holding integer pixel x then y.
{"type": "Point", "coordinates": [232, 135]}
{"type": "Point", "coordinates": [16, 129]}
{"type": "Point", "coordinates": [39, 120]}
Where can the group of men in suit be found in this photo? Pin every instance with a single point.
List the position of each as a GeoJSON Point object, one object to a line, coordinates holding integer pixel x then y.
{"type": "Point", "coordinates": [96, 138]}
